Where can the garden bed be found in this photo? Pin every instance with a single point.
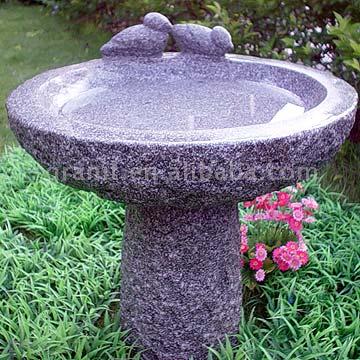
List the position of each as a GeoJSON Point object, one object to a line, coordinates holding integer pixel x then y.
{"type": "Point", "coordinates": [59, 261]}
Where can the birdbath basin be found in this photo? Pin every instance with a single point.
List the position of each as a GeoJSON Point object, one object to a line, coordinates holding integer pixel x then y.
{"type": "Point", "coordinates": [181, 138]}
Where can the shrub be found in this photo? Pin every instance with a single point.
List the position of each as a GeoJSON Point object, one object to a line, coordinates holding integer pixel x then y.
{"type": "Point", "coordinates": [312, 32]}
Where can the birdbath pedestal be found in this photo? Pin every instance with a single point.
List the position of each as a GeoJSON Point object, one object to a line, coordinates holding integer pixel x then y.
{"type": "Point", "coordinates": [181, 138]}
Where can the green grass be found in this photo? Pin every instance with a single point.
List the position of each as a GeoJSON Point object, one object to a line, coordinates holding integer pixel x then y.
{"type": "Point", "coordinates": [60, 248]}
{"type": "Point", "coordinates": [59, 267]}
{"type": "Point", "coordinates": [59, 275]}
{"type": "Point", "coordinates": [342, 174]}
{"type": "Point", "coordinates": [32, 41]}
{"type": "Point", "coordinates": [313, 313]}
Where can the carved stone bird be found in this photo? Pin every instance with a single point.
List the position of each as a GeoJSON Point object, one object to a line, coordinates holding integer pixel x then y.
{"type": "Point", "coordinates": [198, 39]}
{"type": "Point", "coordinates": [146, 40]}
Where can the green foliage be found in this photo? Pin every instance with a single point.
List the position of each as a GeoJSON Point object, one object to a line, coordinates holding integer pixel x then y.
{"type": "Point", "coordinates": [59, 268]}
{"type": "Point", "coordinates": [342, 175]}
{"type": "Point", "coordinates": [307, 30]}
{"type": "Point", "coordinates": [347, 41]}
{"type": "Point", "coordinates": [59, 277]}
{"type": "Point", "coordinates": [312, 313]}
{"type": "Point", "coordinates": [32, 41]}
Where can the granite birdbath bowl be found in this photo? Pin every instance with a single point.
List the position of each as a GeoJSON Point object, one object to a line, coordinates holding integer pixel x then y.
{"type": "Point", "coordinates": [181, 138]}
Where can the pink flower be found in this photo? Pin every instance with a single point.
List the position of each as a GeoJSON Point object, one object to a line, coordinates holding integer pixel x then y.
{"type": "Point", "coordinates": [292, 245]}
{"type": "Point", "coordinates": [283, 266]}
{"type": "Point", "coordinates": [261, 202]}
{"type": "Point", "coordinates": [248, 204]}
{"type": "Point", "coordinates": [255, 264]}
{"type": "Point", "coordinates": [310, 202]}
{"type": "Point", "coordinates": [260, 252]}
{"type": "Point", "coordinates": [260, 275]}
{"type": "Point", "coordinates": [284, 217]}
{"type": "Point", "coordinates": [260, 246]}
{"type": "Point", "coordinates": [285, 256]}
{"type": "Point", "coordinates": [249, 217]}
{"type": "Point", "coordinates": [296, 205]}
{"type": "Point", "coordinates": [303, 256]}
{"type": "Point", "coordinates": [243, 234]}
{"type": "Point", "coordinates": [283, 198]}
{"type": "Point", "coordinates": [243, 229]}
{"type": "Point", "coordinates": [294, 225]}
{"type": "Point", "coordinates": [275, 215]}
{"type": "Point", "coordinates": [258, 217]}
{"type": "Point", "coordinates": [244, 248]}
{"type": "Point", "coordinates": [276, 254]}
{"type": "Point", "coordinates": [271, 205]}
{"type": "Point", "coordinates": [295, 263]}
{"type": "Point", "coordinates": [244, 240]}
{"type": "Point", "coordinates": [302, 246]}
{"type": "Point", "coordinates": [290, 256]}
{"type": "Point", "coordinates": [281, 207]}
{"type": "Point", "coordinates": [298, 214]}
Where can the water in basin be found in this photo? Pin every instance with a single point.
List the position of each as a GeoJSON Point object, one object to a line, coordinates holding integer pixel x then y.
{"type": "Point", "coordinates": [180, 105]}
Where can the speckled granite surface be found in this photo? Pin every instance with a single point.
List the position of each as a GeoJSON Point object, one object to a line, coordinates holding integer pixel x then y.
{"type": "Point", "coordinates": [198, 39]}
{"type": "Point", "coordinates": [181, 284]}
{"type": "Point", "coordinates": [181, 138]}
{"type": "Point", "coordinates": [148, 39]}
{"type": "Point", "coordinates": [140, 159]}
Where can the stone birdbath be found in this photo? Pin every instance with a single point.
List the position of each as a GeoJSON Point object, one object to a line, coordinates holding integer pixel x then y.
{"type": "Point", "coordinates": [181, 138]}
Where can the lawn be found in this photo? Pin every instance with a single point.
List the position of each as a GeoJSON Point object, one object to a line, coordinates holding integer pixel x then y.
{"type": "Point", "coordinates": [31, 41]}
{"type": "Point", "coordinates": [59, 278]}
{"type": "Point", "coordinates": [60, 247]}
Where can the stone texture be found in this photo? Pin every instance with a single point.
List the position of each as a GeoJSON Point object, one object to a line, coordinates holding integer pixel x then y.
{"type": "Point", "coordinates": [181, 288]}
{"type": "Point", "coordinates": [198, 39]}
{"type": "Point", "coordinates": [157, 22]}
{"type": "Point", "coordinates": [158, 161]}
{"type": "Point", "coordinates": [181, 138]}
{"type": "Point", "coordinates": [149, 39]}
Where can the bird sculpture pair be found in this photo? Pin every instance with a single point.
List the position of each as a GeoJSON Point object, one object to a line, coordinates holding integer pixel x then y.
{"type": "Point", "coordinates": [150, 39]}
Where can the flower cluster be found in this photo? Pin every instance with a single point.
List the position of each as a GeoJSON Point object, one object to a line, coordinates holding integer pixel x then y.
{"type": "Point", "coordinates": [290, 256]}
{"type": "Point", "coordinates": [285, 249]}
